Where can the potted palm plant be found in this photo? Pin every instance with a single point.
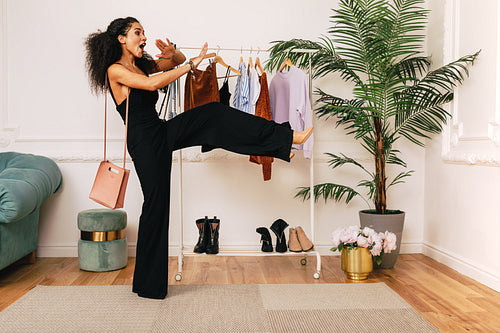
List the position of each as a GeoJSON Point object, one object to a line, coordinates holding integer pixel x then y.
{"type": "Point", "coordinates": [377, 46]}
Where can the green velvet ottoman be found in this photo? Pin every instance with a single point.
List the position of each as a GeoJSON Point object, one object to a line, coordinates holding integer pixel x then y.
{"type": "Point", "coordinates": [103, 245]}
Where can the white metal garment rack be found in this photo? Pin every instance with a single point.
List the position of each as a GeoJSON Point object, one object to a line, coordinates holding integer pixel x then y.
{"type": "Point", "coordinates": [303, 261]}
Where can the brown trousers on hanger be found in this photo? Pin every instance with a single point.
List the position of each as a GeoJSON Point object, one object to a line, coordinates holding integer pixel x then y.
{"type": "Point", "coordinates": [263, 109]}
{"type": "Point", "coordinates": [201, 87]}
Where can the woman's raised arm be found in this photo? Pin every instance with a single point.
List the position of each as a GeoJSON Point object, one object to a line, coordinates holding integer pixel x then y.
{"type": "Point", "coordinates": [121, 75]}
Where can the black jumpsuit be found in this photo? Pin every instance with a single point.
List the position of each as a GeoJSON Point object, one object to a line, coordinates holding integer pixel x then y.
{"type": "Point", "coordinates": [151, 142]}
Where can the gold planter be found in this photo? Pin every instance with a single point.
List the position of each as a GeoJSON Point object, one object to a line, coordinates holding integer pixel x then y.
{"type": "Point", "coordinates": [356, 262]}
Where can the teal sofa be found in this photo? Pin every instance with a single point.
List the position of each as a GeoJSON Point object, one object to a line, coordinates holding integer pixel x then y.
{"type": "Point", "coordinates": [26, 181]}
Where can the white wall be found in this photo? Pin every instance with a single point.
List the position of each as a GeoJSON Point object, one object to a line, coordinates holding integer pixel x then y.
{"type": "Point", "coordinates": [48, 109]}
{"type": "Point", "coordinates": [462, 184]}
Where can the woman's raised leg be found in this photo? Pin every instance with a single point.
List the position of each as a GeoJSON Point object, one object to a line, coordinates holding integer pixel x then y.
{"type": "Point", "coordinates": [216, 125]}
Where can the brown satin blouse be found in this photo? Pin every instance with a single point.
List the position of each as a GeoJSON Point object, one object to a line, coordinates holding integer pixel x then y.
{"type": "Point", "coordinates": [201, 87]}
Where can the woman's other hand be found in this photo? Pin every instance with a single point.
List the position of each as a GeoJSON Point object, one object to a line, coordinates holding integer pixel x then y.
{"type": "Point", "coordinates": [197, 60]}
{"type": "Point", "coordinates": [167, 49]}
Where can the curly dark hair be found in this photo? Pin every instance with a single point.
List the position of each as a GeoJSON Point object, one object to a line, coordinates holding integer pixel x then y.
{"type": "Point", "coordinates": [104, 49]}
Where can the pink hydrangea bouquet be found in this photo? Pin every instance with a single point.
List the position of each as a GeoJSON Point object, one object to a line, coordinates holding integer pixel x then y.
{"type": "Point", "coordinates": [354, 236]}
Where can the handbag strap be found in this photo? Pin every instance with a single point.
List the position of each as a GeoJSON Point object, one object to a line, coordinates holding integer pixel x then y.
{"type": "Point", "coordinates": [105, 121]}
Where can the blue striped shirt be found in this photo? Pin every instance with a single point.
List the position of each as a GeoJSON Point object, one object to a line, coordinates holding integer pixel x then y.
{"type": "Point", "coordinates": [242, 91]}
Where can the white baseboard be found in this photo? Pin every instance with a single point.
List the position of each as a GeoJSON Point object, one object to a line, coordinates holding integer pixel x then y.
{"type": "Point", "coordinates": [57, 250]}
{"type": "Point", "coordinates": [462, 265]}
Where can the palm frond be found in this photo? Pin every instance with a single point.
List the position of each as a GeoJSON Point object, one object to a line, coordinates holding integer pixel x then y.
{"type": "Point", "coordinates": [349, 113]}
{"type": "Point", "coordinates": [340, 160]}
{"type": "Point", "coordinates": [408, 69]}
{"type": "Point", "coordinates": [370, 184]}
{"type": "Point", "coordinates": [421, 112]}
{"type": "Point", "coordinates": [282, 50]}
{"type": "Point", "coordinates": [392, 158]}
{"type": "Point", "coordinates": [449, 76]}
{"type": "Point", "coordinates": [404, 29]}
{"type": "Point", "coordinates": [328, 61]}
{"type": "Point", "coordinates": [354, 30]}
{"type": "Point", "coordinates": [368, 143]}
{"type": "Point", "coordinates": [399, 178]}
{"type": "Point", "coordinates": [328, 191]}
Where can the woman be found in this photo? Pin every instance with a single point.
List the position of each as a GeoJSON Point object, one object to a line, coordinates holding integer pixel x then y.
{"type": "Point", "coordinates": [117, 57]}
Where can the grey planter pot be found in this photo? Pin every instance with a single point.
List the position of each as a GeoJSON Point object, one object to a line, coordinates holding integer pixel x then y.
{"type": "Point", "coordinates": [393, 221]}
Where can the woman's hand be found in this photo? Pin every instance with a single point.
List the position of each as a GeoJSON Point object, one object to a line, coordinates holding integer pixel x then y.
{"type": "Point", "coordinates": [197, 60]}
{"type": "Point", "coordinates": [167, 49]}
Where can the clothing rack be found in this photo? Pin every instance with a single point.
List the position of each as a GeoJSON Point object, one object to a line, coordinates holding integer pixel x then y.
{"type": "Point", "coordinates": [303, 261]}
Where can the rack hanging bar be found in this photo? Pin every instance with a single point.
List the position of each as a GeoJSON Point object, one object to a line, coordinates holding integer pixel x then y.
{"type": "Point", "coordinates": [251, 49]}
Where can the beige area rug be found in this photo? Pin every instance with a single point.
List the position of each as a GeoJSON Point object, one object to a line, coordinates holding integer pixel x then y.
{"type": "Point", "coordinates": [367, 307]}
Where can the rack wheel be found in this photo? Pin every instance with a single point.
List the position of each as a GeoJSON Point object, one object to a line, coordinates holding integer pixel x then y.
{"type": "Point", "coordinates": [316, 275]}
{"type": "Point", "coordinates": [303, 261]}
{"type": "Point", "coordinates": [178, 277]}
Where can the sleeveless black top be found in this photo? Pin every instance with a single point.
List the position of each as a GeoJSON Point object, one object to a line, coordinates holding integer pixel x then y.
{"type": "Point", "coordinates": [224, 94]}
{"type": "Point", "coordinates": [144, 125]}
{"type": "Point", "coordinates": [142, 108]}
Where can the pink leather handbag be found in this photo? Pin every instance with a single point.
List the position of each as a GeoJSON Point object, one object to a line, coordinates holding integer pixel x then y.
{"type": "Point", "coordinates": [111, 181]}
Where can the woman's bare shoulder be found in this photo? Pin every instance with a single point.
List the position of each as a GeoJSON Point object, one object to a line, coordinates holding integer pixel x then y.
{"type": "Point", "coordinates": [117, 67]}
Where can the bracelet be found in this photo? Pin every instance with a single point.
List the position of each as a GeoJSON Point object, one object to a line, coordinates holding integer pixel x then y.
{"type": "Point", "coordinates": [191, 64]}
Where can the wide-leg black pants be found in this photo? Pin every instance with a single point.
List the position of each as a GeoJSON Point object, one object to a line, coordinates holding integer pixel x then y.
{"type": "Point", "coordinates": [213, 125]}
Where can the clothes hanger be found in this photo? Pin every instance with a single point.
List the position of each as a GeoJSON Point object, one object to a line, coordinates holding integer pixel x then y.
{"type": "Point", "coordinates": [218, 60]}
{"type": "Point", "coordinates": [250, 62]}
{"type": "Point", "coordinates": [258, 65]}
{"type": "Point", "coordinates": [209, 55]}
{"type": "Point", "coordinates": [286, 62]}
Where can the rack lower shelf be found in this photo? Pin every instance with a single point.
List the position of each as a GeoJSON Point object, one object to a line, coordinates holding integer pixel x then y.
{"type": "Point", "coordinates": [303, 261]}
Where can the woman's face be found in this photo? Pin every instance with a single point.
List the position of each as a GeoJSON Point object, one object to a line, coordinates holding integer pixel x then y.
{"type": "Point", "coordinates": [135, 40]}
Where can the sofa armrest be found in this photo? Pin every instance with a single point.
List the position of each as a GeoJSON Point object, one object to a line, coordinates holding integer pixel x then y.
{"type": "Point", "coordinates": [26, 181]}
{"type": "Point", "coordinates": [17, 200]}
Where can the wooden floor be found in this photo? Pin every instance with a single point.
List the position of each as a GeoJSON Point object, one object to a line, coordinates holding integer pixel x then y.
{"type": "Point", "coordinates": [447, 299]}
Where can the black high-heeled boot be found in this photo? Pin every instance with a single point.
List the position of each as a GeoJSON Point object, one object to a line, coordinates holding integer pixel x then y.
{"type": "Point", "coordinates": [213, 241]}
{"type": "Point", "coordinates": [267, 245]}
{"type": "Point", "coordinates": [204, 235]}
{"type": "Point", "coordinates": [278, 227]}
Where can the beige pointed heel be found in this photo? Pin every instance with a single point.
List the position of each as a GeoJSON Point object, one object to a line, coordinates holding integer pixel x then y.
{"type": "Point", "coordinates": [300, 138]}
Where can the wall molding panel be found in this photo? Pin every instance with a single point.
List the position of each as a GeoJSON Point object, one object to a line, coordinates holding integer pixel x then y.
{"type": "Point", "coordinates": [7, 131]}
{"type": "Point", "coordinates": [458, 146]}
